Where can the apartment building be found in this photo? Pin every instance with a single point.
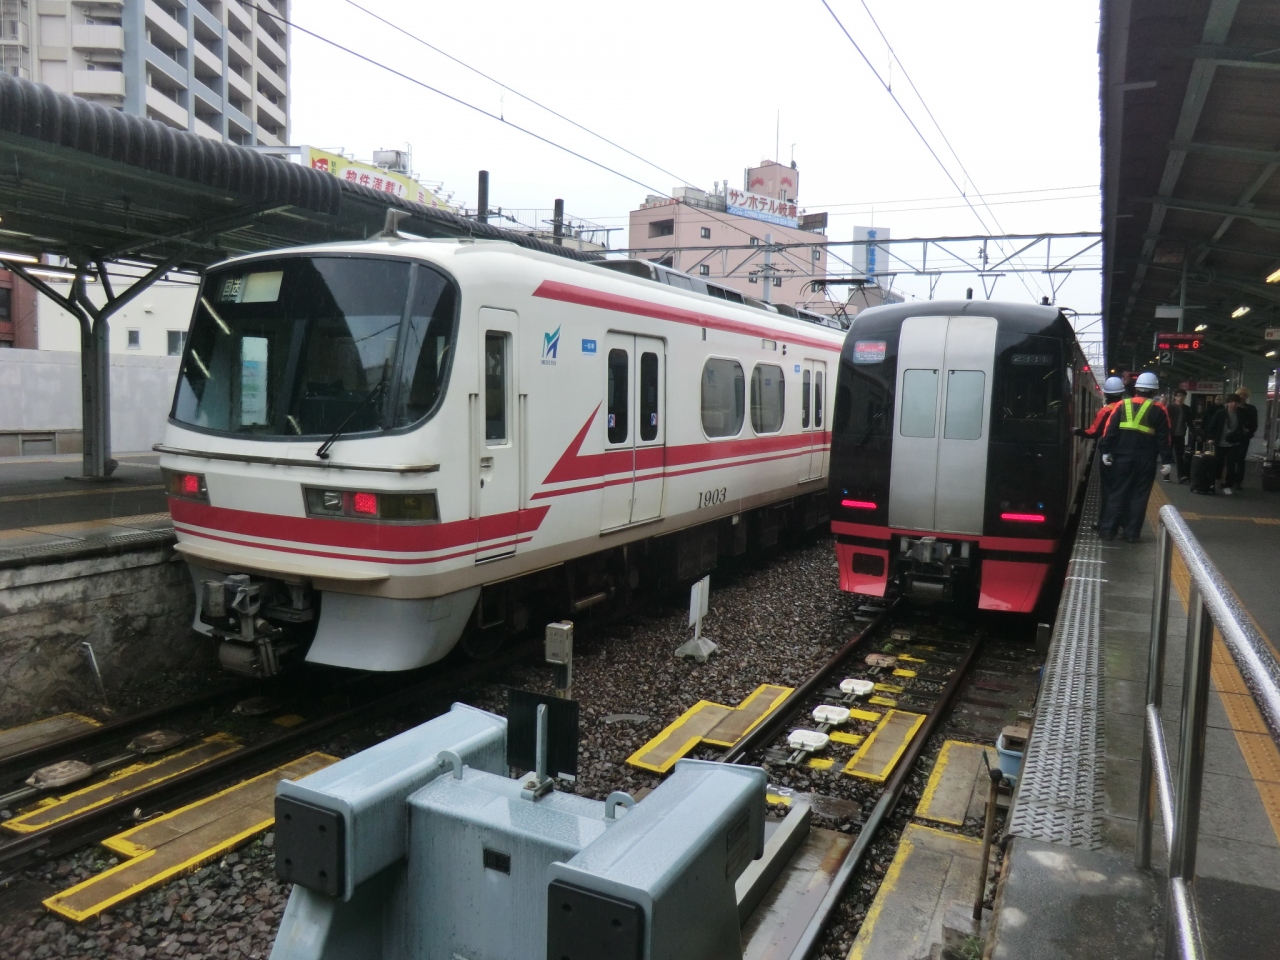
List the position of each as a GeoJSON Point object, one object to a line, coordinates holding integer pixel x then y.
{"type": "Point", "coordinates": [218, 68]}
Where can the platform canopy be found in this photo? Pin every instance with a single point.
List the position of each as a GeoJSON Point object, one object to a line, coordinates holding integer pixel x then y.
{"type": "Point", "coordinates": [99, 187]}
{"type": "Point", "coordinates": [1191, 197]}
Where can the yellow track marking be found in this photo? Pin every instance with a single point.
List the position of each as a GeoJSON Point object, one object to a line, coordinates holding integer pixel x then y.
{"type": "Point", "coordinates": [707, 722]}
{"type": "Point", "coordinates": [853, 739]}
{"type": "Point", "coordinates": [887, 688]}
{"type": "Point", "coordinates": [17, 739]}
{"type": "Point", "coordinates": [121, 783]}
{"type": "Point", "coordinates": [1259, 750]}
{"type": "Point", "coordinates": [924, 809]}
{"type": "Point", "coordinates": [183, 840]}
{"type": "Point", "coordinates": [882, 701]}
{"type": "Point", "coordinates": [872, 761]}
{"type": "Point", "coordinates": [904, 673]}
{"type": "Point", "coordinates": [908, 658]}
{"type": "Point", "coordinates": [822, 763]}
{"type": "Point", "coordinates": [870, 716]}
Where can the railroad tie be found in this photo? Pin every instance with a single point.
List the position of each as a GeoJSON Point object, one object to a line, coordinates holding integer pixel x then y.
{"type": "Point", "coordinates": [29, 736]}
{"type": "Point", "coordinates": [183, 840]}
{"type": "Point", "coordinates": [711, 723]}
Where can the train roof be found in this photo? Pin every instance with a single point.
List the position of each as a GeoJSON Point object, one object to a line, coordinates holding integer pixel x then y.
{"type": "Point", "coordinates": [780, 317]}
{"type": "Point", "coordinates": [1031, 317]}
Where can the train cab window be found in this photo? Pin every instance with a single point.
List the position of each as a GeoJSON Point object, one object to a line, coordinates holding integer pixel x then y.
{"type": "Point", "coordinates": [965, 393]}
{"type": "Point", "coordinates": [723, 398]}
{"type": "Point", "coordinates": [1027, 397]}
{"type": "Point", "coordinates": [619, 366]}
{"type": "Point", "coordinates": [919, 403]}
{"type": "Point", "coordinates": [818, 387]}
{"type": "Point", "coordinates": [805, 399]}
{"type": "Point", "coordinates": [767, 398]}
{"type": "Point", "coordinates": [428, 342]}
{"type": "Point", "coordinates": [648, 396]}
{"type": "Point", "coordinates": [495, 387]}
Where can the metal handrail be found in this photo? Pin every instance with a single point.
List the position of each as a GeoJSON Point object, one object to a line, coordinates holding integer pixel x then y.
{"type": "Point", "coordinates": [1211, 603]}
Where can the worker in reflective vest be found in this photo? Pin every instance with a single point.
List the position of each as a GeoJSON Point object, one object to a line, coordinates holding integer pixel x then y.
{"type": "Point", "coordinates": [1136, 435]}
{"type": "Point", "coordinates": [1113, 394]}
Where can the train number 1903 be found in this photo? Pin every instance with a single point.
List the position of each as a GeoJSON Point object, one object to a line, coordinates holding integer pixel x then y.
{"type": "Point", "coordinates": [712, 498]}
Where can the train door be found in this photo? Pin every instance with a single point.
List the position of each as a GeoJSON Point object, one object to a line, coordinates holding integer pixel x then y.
{"type": "Point", "coordinates": [496, 436]}
{"type": "Point", "coordinates": [939, 463]}
{"type": "Point", "coordinates": [813, 417]}
{"type": "Point", "coordinates": [635, 429]}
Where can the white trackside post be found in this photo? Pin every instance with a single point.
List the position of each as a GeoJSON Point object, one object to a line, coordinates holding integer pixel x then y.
{"type": "Point", "coordinates": [699, 647]}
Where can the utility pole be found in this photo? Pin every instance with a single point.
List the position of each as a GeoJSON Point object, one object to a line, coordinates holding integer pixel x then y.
{"type": "Point", "coordinates": [557, 223]}
{"type": "Point", "coordinates": [767, 272]}
{"type": "Point", "coordinates": [482, 198]}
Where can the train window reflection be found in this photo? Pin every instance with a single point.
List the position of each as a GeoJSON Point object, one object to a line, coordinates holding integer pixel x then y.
{"type": "Point", "coordinates": [648, 396]}
{"type": "Point", "coordinates": [965, 389]}
{"type": "Point", "coordinates": [619, 397]}
{"type": "Point", "coordinates": [817, 398]}
{"type": "Point", "coordinates": [723, 398]}
{"type": "Point", "coordinates": [768, 398]}
{"type": "Point", "coordinates": [919, 403]}
{"type": "Point", "coordinates": [495, 387]}
{"type": "Point", "coordinates": [428, 347]}
{"type": "Point", "coordinates": [805, 391]}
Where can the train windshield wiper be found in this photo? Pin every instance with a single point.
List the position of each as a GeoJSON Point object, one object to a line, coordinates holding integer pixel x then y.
{"type": "Point", "coordinates": [323, 451]}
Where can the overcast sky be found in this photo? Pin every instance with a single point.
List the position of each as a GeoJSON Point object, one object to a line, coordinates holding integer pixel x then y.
{"type": "Point", "coordinates": [697, 88]}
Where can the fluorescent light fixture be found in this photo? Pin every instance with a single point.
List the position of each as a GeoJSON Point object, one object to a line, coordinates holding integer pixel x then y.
{"type": "Point", "coordinates": [1273, 277]}
{"type": "Point", "coordinates": [1202, 328]}
{"type": "Point", "coordinates": [19, 258]}
{"type": "Point", "coordinates": [1240, 311]}
{"type": "Point", "coordinates": [1271, 353]}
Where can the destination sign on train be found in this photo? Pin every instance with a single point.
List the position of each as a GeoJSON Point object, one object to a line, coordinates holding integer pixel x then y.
{"type": "Point", "coordinates": [1178, 341]}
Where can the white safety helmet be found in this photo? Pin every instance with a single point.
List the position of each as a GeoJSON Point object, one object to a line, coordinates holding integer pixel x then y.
{"type": "Point", "coordinates": [1113, 385]}
{"type": "Point", "coordinates": [1147, 381]}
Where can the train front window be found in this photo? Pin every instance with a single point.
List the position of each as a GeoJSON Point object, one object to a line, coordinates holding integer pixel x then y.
{"type": "Point", "coordinates": [1028, 392]}
{"type": "Point", "coordinates": [303, 346]}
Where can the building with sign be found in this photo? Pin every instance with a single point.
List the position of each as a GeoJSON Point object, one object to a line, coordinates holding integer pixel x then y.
{"type": "Point", "coordinates": [390, 172]}
{"type": "Point", "coordinates": [754, 238]}
{"type": "Point", "coordinates": [218, 69]}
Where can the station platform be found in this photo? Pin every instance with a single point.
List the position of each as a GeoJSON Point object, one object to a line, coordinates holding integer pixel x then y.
{"type": "Point", "coordinates": [1069, 887]}
{"type": "Point", "coordinates": [47, 511]}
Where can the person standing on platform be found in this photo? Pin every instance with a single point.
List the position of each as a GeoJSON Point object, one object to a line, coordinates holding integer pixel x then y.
{"type": "Point", "coordinates": [1112, 394]}
{"type": "Point", "coordinates": [1249, 414]}
{"type": "Point", "coordinates": [1179, 421]}
{"type": "Point", "coordinates": [1231, 442]}
{"type": "Point", "coordinates": [1136, 434]}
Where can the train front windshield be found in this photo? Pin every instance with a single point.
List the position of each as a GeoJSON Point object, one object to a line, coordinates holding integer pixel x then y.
{"type": "Point", "coordinates": [300, 346]}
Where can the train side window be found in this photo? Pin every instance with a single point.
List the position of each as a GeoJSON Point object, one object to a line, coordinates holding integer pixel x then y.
{"type": "Point", "coordinates": [965, 392]}
{"type": "Point", "coordinates": [648, 396]}
{"type": "Point", "coordinates": [1027, 395]}
{"type": "Point", "coordinates": [818, 379]}
{"type": "Point", "coordinates": [495, 387]}
{"type": "Point", "coordinates": [767, 398]}
{"type": "Point", "coordinates": [723, 398]}
{"type": "Point", "coordinates": [805, 388]}
{"type": "Point", "coordinates": [919, 403]}
{"type": "Point", "coordinates": [619, 364]}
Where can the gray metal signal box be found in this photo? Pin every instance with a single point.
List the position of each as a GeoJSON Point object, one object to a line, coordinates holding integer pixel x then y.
{"type": "Point", "coordinates": [429, 852]}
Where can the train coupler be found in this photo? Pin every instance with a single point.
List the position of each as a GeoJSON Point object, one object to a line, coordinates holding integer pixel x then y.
{"type": "Point", "coordinates": [927, 566]}
{"type": "Point", "coordinates": [250, 644]}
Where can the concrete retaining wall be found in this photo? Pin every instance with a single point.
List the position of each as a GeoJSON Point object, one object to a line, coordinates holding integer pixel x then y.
{"type": "Point", "coordinates": [134, 607]}
{"type": "Point", "coordinates": [40, 393]}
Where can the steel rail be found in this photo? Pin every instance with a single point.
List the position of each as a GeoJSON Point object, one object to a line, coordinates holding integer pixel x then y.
{"type": "Point", "coordinates": [773, 724]}
{"type": "Point", "coordinates": [59, 749]}
{"type": "Point", "coordinates": [248, 761]}
{"type": "Point", "coordinates": [882, 810]}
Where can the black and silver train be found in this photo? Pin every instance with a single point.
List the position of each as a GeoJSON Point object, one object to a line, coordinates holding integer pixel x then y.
{"type": "Point", "coordinates": [953, 464]}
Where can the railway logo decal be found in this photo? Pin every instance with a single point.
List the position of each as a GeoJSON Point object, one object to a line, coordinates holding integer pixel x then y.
{"type": "Point", "coordinates": [550, 346]}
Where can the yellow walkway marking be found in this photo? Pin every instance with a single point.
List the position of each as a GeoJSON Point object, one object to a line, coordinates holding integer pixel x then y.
{"type": "Point", "coordinates": [930, 869]}
{"type": "Point", "coordinates": [123, 782]}
{"type": "Point", "coordinates": [880, 752]}
{"type": "Point", "coordinates": [1260, 752]}
{"type": "Point", "coordinates": [1261, 521]}
{"type": "Point", "coordinates": [183, 840]}
{"type": "Point", "coordinates": [950, 793]}
{"type": "Point", "coordinates": [707, 722]}
{"type": "Point", "coordinates": [18, 739]}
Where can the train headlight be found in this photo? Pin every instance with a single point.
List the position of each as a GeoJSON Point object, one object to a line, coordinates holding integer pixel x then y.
{"type": "Point", "coordinates": [367, 505]}
{"type": "Point", "coordinates": [188, 486]}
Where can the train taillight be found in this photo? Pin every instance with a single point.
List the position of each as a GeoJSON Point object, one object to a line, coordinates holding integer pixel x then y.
{"type": "Point", "coordinates": [1023, 517]}
{"type": "Point", "coordinates": [367, 505]}
{"type": "Point", "coordinates": [188, 486]}
{"type": "Point", "coordinates": [858, 504]}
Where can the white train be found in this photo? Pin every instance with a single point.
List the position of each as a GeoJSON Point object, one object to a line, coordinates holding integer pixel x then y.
{"type": "Point", "coordinates": [400, 443]}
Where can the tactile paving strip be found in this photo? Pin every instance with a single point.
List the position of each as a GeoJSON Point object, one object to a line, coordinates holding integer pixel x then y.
{"type": "Point", "coordinates": [1060, 797]}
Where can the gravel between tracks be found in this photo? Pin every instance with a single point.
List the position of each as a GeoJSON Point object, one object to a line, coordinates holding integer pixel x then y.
{"type": "Point", "coordinates": [775, 620]}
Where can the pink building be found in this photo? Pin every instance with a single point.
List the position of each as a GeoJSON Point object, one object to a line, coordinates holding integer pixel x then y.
{"type": "Point", "coordinates": [721, 235]}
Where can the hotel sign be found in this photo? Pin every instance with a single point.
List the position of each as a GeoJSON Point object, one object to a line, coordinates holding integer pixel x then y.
{"type": "Point", "coordinates": [744, 204]}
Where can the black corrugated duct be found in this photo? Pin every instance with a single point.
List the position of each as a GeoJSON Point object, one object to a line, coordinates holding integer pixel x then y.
{"type": "Point", "coordinates": [37, 112]}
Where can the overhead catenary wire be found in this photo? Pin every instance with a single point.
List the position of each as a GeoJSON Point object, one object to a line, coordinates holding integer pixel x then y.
{"type": "Point", "coordinates": [522, 96]}
{"type": "Point", "coordinates": [914, 126]}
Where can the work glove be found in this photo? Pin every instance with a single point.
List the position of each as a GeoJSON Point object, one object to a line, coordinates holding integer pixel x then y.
{"type": "Point", "coordinates": [1164, 470]}
{"type": "Point", "coordinates": [1078, 431]}
{"type": "Point", "coordinates": [1106, 460]}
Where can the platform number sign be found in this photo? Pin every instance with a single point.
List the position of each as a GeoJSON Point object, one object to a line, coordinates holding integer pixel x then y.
{"type": "Point", "coordinates": [1164, 358]}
